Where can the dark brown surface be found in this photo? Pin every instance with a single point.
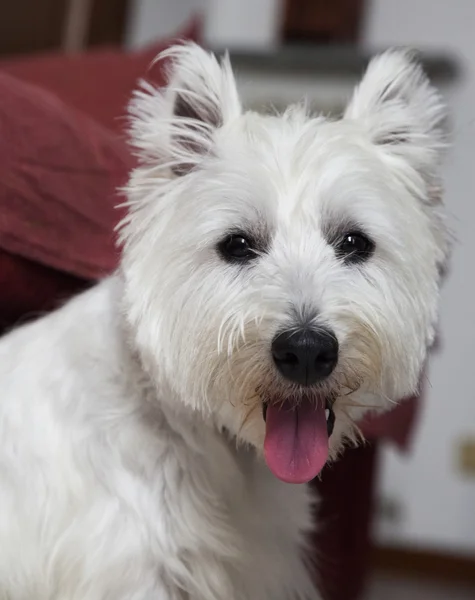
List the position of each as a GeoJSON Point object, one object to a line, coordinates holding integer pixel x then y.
{"type": "Point", "coordinates": [322, 20]}
{"type": "Point", "coordinates": [30, 25]}
{"type": "Point", "coordinates": [425, 563]}
{"type": "Point", "coordinates": [108, 22]}
{"type": "Point", "coordinates": [398, 586]}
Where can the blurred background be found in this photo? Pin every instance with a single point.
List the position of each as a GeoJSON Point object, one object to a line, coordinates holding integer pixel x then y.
{"type": "Point", "coordinates": [402, 508]}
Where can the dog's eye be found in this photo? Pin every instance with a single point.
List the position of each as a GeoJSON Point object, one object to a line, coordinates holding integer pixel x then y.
{"type": "Point", "coordinates": [237, 248]}
{"type": "Point", "coordinates": [355, 247]}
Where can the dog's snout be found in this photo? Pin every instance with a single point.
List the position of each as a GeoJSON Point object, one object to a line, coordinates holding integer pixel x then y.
{"type": "Point", "coordinates": [305, 356]}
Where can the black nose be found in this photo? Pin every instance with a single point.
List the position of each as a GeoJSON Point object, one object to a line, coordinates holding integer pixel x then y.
{"type": "Point", "coordinates": [305, 356]}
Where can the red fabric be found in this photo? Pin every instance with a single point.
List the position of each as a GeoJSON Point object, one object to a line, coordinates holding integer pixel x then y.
{"type": "Point", "coordinates": [58, 175]}
{"type": "Point", "coordinates": [59, 171]}
{"type": "Point", "coordinates": [99, 82]}
{"type": "Point", "coordinates": [396, 425]}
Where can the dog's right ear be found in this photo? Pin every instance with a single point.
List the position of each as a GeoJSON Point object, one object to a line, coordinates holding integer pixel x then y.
{"type": "Point", "coordinates": [176, 127]}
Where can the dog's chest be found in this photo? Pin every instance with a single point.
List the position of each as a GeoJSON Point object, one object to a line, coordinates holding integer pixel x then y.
{"type": "Point", "coordinates": [241, 530]}
{"type": "Point", "coordinates": [273, 520]}
{"type": "Point", "coordinates": [218, 524]}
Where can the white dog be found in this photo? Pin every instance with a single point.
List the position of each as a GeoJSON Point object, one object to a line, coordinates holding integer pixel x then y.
{"type": "Point", "coordinates": [279, 276]}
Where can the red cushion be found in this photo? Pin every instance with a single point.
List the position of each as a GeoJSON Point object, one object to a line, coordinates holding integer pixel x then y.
{"type": "Point", "coordinates": [396, 425]}
{"type": "Point", "coordinates": [59, 171]}
{"type": "Point", "coordinates": [99, 82]}
{"type": "Point", "coordinates": [58, 175]}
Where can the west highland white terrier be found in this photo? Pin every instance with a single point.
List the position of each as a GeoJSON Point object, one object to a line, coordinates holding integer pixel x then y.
{"type": "Point", "coordinates": [279, 276]}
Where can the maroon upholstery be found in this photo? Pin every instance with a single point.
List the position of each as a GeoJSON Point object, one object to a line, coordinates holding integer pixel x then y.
{"type": "Point", "coordinates": [58, 174]}
{"type": "Point", "coordinates": [59, 171]}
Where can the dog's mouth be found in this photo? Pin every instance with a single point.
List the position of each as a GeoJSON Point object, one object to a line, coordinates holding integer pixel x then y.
{"type": "Point", "coordinates": [297, 437]}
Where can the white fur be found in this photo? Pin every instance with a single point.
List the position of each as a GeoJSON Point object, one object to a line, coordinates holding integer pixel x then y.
{"type": "Point", "coordinates": [120, 476]}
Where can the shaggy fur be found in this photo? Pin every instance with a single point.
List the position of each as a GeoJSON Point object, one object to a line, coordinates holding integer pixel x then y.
{"type": "Point", "coordinates": [120, 473]}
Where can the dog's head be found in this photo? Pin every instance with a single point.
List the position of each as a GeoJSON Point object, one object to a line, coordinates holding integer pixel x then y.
{"type": "Point", "coordinates": [282, 272]}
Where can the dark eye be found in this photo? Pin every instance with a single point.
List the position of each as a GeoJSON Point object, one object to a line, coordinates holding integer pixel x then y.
{"type": "Point", "coordinates": [237, 248]}
{"type": "Point", "coordinates": [355, 247]}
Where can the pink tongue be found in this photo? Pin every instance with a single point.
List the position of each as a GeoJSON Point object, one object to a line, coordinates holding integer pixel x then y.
{"type": "Point", "coordinates": [296, 443]}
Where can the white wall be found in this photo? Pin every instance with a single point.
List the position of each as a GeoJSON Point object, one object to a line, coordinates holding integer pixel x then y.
{"type": "Point", "coordinates": [242, 23]}
{"type": "Point", "coordinates": [151, 20]}
{"type": "Point", "coordinates": [438, 504]}
{"type": "Point", "coordinates": [233, 23]}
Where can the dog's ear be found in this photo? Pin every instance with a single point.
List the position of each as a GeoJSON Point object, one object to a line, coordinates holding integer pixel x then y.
{"type": "Point", "coordinates": [176, 127]}
{"type": "Point", "coordinates": [401, 112]}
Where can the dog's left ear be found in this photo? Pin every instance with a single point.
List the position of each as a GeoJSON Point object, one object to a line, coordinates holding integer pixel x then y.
{"type": "Point", "coordinates": [176, 127]}
{"type": "Point", "coordinates": [401, 112]}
